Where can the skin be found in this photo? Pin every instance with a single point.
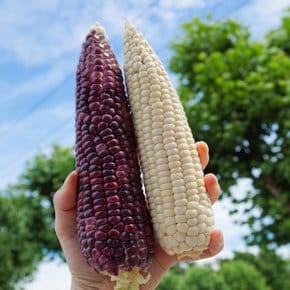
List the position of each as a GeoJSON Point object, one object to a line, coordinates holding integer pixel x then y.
{"type": "Point", "coordinates": [83, 276]}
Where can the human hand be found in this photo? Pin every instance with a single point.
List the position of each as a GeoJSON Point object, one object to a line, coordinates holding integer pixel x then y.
{"type": "Point", "coordinates": [86, 278]}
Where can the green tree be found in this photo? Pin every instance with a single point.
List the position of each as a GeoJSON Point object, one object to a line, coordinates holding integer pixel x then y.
{"type": "Point", "coordinates": [241, 275]}
{"type": "Point", "coordinates": [27, 217]}
{"type": "Point", "coordinates": [171, 281]}
{"type": "Point", "coordinates": [236, 94]}
{"type": "Point", "coordinates": [275, 269]}
{"type": "Point", "coordinates": [203, 278]}
{"type": "Point", "coordinates": [280, 37]}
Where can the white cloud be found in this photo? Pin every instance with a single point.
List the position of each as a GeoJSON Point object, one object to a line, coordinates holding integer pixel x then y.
{"type": "Point", "coordinates": [262, 15]}
{"type": "Point", "coordinates": [182, 4]}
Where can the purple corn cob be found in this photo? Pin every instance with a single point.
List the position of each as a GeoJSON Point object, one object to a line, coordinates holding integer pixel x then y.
{"type": "Point", "coordinates": [113, 221]}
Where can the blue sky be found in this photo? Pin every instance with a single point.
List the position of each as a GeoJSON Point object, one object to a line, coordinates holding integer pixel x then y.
{"type": "Point", "coordinates": [40, 45]}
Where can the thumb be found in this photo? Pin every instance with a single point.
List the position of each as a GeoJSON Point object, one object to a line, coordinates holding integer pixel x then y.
{"type": "Point", "coordinates": [65, 208]}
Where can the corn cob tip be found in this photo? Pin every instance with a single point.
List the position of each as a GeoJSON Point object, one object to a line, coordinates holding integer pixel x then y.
{"type": "Point", "coordinates": [129, 280]}
{"type": "Point", "coordinates": [98, 29]}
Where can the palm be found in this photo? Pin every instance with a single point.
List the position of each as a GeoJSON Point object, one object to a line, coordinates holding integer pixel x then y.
{"type": "Point", "coordinates": [83, 275]}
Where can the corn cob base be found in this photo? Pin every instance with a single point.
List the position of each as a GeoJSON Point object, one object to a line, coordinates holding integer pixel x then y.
{"type": "Point", "coordinates": [179, 205]}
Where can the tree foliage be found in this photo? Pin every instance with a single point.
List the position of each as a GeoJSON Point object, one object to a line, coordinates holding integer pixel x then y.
{"type": "Point", "coordinates": [27, 217]}
{"type": "Point", "coordinates": [236, 93]}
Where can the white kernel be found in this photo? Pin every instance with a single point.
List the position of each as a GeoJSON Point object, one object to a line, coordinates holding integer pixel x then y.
{"type": "Point", "coordinates": [168, 120]}
{"type": "Point", "coordinates": [168, 127]}
{"type": "Point", "coordinates": [176, 170]}
{"type": "Point", "coordinates": [170, 146]}
{"type": "Point", "coordinates": [163, 173]}
{"type": "Point", "coordinates": [168, 205]}
{"type": "Point", "coordinates": [178, 189]}
{"type": "Point", "coordinates": [155, 94]}
{"type": "Point", "coordinates": [169, 114]}
{"type": "Point", "coordinates": [192, 205]}
{"type": "Point", "coordinates": [200, 239]}
{"type": "Point", "coordinates": [187, 166]}
{"type": "Point", "coordinates": [168, 213]}
{"type": "Point", "coordinates": [171, 242]}
{"type": "Point", "coordinates": [202, 228]}
{"type": "Point", "coordinates": [191, 213]}
{"type": "Point", "coordinates": [165, 186]}
{"type": "Point", "coordinates": [172, 152]}
{"type": "Point", "coordinates": [202, 218]}
{"type": "Point", "coordinates": [181, 202]}
{"type": "Point", "coordinates": [179, 182]}
{"type": "Point", "coordinates": [180, 218]}
{"type": "Point", "coordinates": [161, 154]}
{"type": "Point", "coordinates": [182, 227]}
{"type": "Point", "coordinates": [180, 210]}
{"type": "Point", "coordinates": [161, 161]}
{"type": "Point", "coordinates": [171, 230]}
{"type": "Point", "coordinates": [176, 176]}
{"type": "Point", "coordinates": [192, 221]}
{"type": "Point", "coordinates": [178, 196]}
{"type": "Point", "coordinates": [169, 220]}
{"type": "Point", "coordinates": [157, 139]}
{"type": "Point", "coordinates": [155, 87]}
{"type": "Point", "coordinates": [179, 236]}
{"type": "Point", "coordinates": [191, 241]}
{"type": "Point", "coordinates": [174, 164]}
{"type": "Point", "coordinates": [173, 158]}
{"type": "Point", "coordinates": [165, 179]}
{"type": "Point", "coordinates": [168, 134]}
{"type": "Point", "coordinates": [210, 221]}
{"type": "Point", "coordinates": [191, 185]}
{"type": "Point", "coordinates": [157, 118]}
{"type": "Point", "coordinates": [157, 124]}
{"type": "Point", "coordinates": [167, 198]}
{"type": "Point", "coordinates": [184, 246]}
{"type": "Point", "coordinates": [193, 231]}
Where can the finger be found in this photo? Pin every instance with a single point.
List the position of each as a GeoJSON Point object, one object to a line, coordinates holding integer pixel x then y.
{"type": "Point", "coordinates": [65, 208]}
{"type": "Point", "coordinates": [212, 187]}
{"type": "Point", "coordinates": [203, 153]}
{"type": "Point", "coordinates": [216, 244]}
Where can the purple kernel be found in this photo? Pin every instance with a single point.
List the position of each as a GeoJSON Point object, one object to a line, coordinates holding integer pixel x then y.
{"type": "Point", "coordinates": [100, 214]}
{"type": "Point", "coordinates": [128, 220]}
{"type": "Point", "coordinates": [107, 251]}
{"type": "Point", "coordinates": [120, 154]}
{"type": "Point", "coordinates": [104, 228]}
{"type": "Point", "coordinates": [114, 198]}
{"type": "Point", "coordinates": [141, 243]}
{"type": "Point", "coordinates": [119, 252]}
{"type": "Point", "coordinates": [113, 142]}
{"type": "Point", "coordinates": [103, 108]}
{"type": "Point", "coordinates": [102, 125]}
{"type": "Point", "coordinates": [123, 180]}
{"type": "Point", "coordinates": [118, 119]}
{"type": "Point", "coordinates": [103, 260]}
{"type": "Point", "coordinates": [100, 147]}
{"type": "Point", "coordinates": [107, 118]}
{"type": "Point", "coordinates": [123, 168]}
{"type": "Point", "coordinates": [91, 156]}
{"type": "Point", "coordinates": [107, 172]}
{"type": "Point", "coordinates": [90, 228]}
{"type": "Point", "coordinates": [96, 173]}
{"type": "Point", "coordinates": [109, 158]}
{"type": "Point", "coordinates": [121, 174]}
{"type": "Point", "coordinates": [99, 201]}
{"type": "Point", "coordinates": [88, 143]}
{"type": "Point", "coordinates": [119, 226]}
{"type": "Point", "coordinates": [106, 132]}
{"type": "Point", "coordinates": [133, 260]}
{"type": "Point", "coordinates": [126, 212]}
{"type": "Point", "coordinates": [103, 153]}
{"type": "Point", "coordinates": [114, 219]}
{"type": "Point", "coordinates": [121, 161]}
{"type": "Point", "coordinates": [114, 149]}
{"type": "Point", "coordinates": [109, 165]}
{"type": "Point", "coordinates": [108, 138]}
{"type": "Point", "coordinates": [96, 181]}
{"type": "Point", "coordinates": [88, 213]}
{"type": "Point", "coordinates": [96, 119]}
{"type": "Point", "coordinates": [110, 178]}
{"type": "Point", "coordinates": [93, 129]}
{"type": "Point", "coordinates": [101, 221]}
{"type": "Point", "coordinates": [130, 228]}
{"type": "Point", "coordinates": [98, 207]}
{"type": "Point", "coordinates": [131, 250]}
{"type": "Point", "coordinates": [99, 244]}
{"type": "Point", "coordinates": [93, 167]}
{"type": "Point", "coordinates": [98, 194]}
{"type": "Point", "coordinates": [95, 106]}
{"type": "Point", "coordinates": [110, 185]}
{"type": "Point", "coordinates": [98, 186]}
{"type": "Point", "coordinates": [114, 234]}
{"type": "Point", "coordinates": [108, 102]}
{"type": "Point", "coordinates": [111, 192]}
{"type": "Point", "coordinates": [114, 212]}
{"type": "Point", "coordinates": [114, 205]}
{"type": "Point", "coordinates": [125, 236]}
{"type": "Point", "coordinates": [113, 243]}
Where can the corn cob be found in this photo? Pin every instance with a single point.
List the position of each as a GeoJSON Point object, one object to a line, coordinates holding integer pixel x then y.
{"type": "Point", "coordinates": [179, 205]}
{"type": "Point", "coordinates": [113, 221]}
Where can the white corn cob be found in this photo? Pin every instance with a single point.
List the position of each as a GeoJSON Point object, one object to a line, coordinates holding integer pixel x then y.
{"type": "Point", "coordinates": [180, 207]}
